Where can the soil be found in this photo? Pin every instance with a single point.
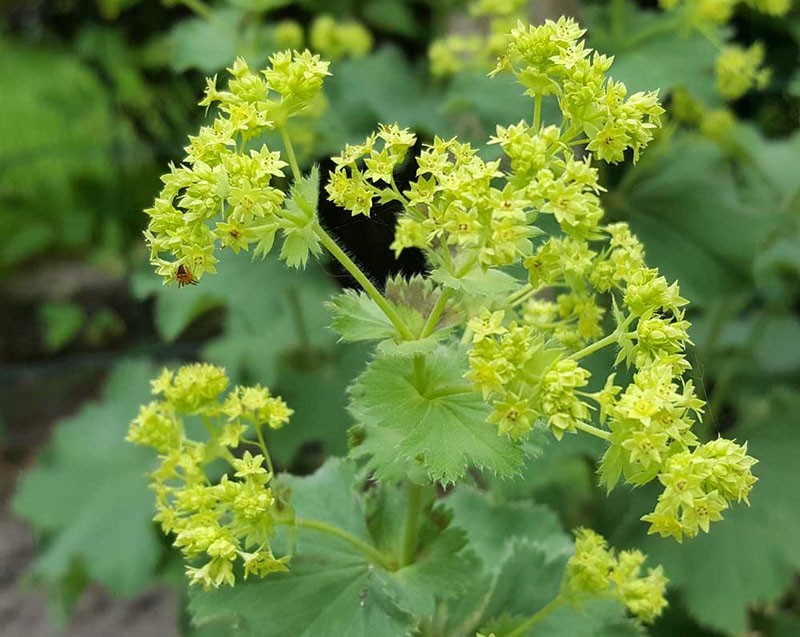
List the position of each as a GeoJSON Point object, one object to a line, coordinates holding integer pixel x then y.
{"type": "Point", "coordinates": [24, 612]}
{"type": "Point", "coordinates": [36, 390]}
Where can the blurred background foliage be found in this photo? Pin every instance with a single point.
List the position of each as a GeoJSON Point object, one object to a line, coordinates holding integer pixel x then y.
{"type": "Point", "coordinates": [98, 97]}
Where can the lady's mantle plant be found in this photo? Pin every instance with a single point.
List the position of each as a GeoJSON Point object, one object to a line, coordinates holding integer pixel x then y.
{"type": "Point", "coordinates": [469, 361]}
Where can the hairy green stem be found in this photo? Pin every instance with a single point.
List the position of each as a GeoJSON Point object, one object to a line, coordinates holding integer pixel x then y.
{"type": "Point", "coordinates": [287, 146]}
{"type": "Point", "coordinates": [411, 536]}
{"type": "Point", "coordinates": [370, 551]}
{"type": "Point", "coordinates": [263, 444]}
{"type": "Point", "coordinates": [341, 256]}
{"type": "Point", "coordinates": [529, 623]}
{"type": "Point", "coordinates": [513, 298]}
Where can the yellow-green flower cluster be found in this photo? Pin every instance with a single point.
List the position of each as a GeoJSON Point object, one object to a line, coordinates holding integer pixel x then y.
{"type": "Point", "coordinates": [738, 69]}
{"type": "Point", "coordinates": [596, 570]}
{"type": "Point", "coordinates": [222, 194]}
{"type": "Point", "coordinates": [699, 485]}
{"type": "Point", "coordinates": [336, 40]}
{"type": "Point", "coordinates": [454, 207]}
{"type": "Point", "coordinates": [360, 167]}
{"type": "Point", "coordinates": [741, 69]}
{"type": "Point", "coordinates": [702, 12]}
{"type": "Point", "coordinates": [526, 351]}
{"type": "Point", "coordinates": [478, 50]}
{"type": "Point", "coordinates": [717, 12]}
{"type": "Point", "coordinates": [288, 34]}
{"type": "Point", "coordinates": [552, 59]}
{"type": "Point", "coordinates": [221, 525]}
{"type": "Point", "coordinates": [716, 124]}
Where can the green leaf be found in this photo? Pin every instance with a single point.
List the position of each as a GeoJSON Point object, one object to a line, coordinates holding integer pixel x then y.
{"type": "Point", "coordinates": [441, 420]}
{"type": "Point", "coordinates": [391, 16]}
{"type": "Point", "coordinates": [88, 497]}
{"type": "Point", "coordinates": [315, 385]}
{"type": "Point", "coordinates": [679, 204]}
{"type": "Point", "coordinates": [493, 527]}
{"type": "Point", "coordinates": [527, 579]}
{"type": "Point", "coordinates": [497, 100]}
{"type": "Point", "coordinates": [478, 282]}
{"type": "Point", "coordinates": [377, 447]}
{"type": "Point", "coordinates": [205, 45]}
{"type": "Point", "coordinates": [356, 317]}
{"type": "Point", "coordinates": [754, 554]}
{"type": "Point", "coordinates": [332, 588]}
{"type": "Point", "coordinates": [382, 87]}
{"type": "Point", "coordinates": [777, 344]}
{"type": "Point", "coordinates": [300, 240]}
{"type": "Point", "coordinates": [62, 323]}
{"type": "Point", "coordinates": [59, 127]}
{"type": "Point", "coordinates": [654, 51]}
{"type": "Point", "coordinates": [274, 333]}
{"type": "Point", "coordinates": [595, 618]}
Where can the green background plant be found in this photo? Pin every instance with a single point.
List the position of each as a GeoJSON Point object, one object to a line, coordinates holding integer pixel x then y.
{"type": "Point", "coordinates": [718, 213]}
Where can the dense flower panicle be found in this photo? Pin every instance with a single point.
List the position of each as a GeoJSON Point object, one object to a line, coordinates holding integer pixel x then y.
{"type": "Point", "coordinates": [352, 185]}
{"type": "Point", "coordinates": [740, 69]}
{"type": "Point", "coordinates": [336, 40]}
{"type": "Point", "coordinates": [216, 524]}
{"type": "Point", "coordinates": [699, 485]}
{"type": "Point", "coordinates": [479, 49]}
{"type": "Point", "coordinates": [222, 195]}
{"type": "Point", "coordinates": [552, 60]}
{"type": "Point", "coordinates": [526, 351]}
{"type": "Point", "coordinates": [595, 569]}
{"type": "Point", "coordinates": [288, 34]}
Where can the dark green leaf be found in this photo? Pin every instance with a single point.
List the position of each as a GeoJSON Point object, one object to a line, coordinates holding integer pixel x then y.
{"type": "Point", "coordinates": [332, 588]}
{"type": "Point", "coordinates": [88, 494]}
{"type": "Point", "coordinates": [492, 527]}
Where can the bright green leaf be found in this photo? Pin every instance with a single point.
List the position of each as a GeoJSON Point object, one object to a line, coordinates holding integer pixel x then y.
{"type": "Point", "coordinates": [678, 205]}
{"type": "Point", "coordinates": [440, 418]}
{"type": "Point", "coordinates": [356, 317]}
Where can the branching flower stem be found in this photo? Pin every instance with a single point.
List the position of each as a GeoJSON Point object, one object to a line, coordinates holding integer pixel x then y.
{"type": "Point", "coordinates": [594, 347]}
{"type": "Point", "coordinates": [370, 551]}
{"type": "Point", "coordinates": [386, 307]}
{"type": "Point", "coordinates": [591, 429]}
{"type": "Point", "coordinates": [520, 630]}
{"type": "Point", "coordinates": [537, 112]}
{"type": "Point", "coordinates": [329, 243]}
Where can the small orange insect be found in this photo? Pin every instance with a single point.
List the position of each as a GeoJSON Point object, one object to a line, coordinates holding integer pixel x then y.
{"type": "Point", "coordinates": [184, 276]}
